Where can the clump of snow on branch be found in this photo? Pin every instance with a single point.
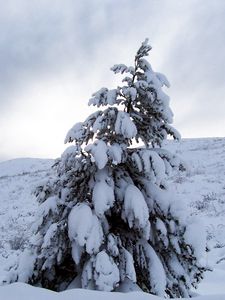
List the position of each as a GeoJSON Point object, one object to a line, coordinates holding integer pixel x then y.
{"type": "Point", "coordinates": [103, 193]}
{"type": "Point", "coordinates": [124, 125]}
{"type": "Point", "coordinates": [98, 151]}
{"type": "Point", "coordinates": [135, 208]}
{"type": "Point", "coordinates": [106, 273]}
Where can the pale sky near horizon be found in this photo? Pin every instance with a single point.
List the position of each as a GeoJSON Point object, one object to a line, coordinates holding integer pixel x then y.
{"type": "Point", "coordinates": [55, 54]}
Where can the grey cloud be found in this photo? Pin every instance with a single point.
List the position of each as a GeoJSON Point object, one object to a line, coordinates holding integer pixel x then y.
{"type": "Point", "coordinates": [43, 38]}
{"type": "Point", "coordinates": [39, 36]}
{"type": "Point", "coordinates": [198, 60]}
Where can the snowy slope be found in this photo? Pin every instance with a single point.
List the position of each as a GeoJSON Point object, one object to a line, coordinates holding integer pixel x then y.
{"type": "Point", "coordinates": [17, 204]}
{"type": "Point", "coordinates": [17, 179]}
{"type": "Point", "coordinates": [201, 186]}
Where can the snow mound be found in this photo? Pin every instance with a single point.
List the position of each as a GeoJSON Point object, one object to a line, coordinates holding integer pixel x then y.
{"type": "Point", "coordinates": [26, 292]}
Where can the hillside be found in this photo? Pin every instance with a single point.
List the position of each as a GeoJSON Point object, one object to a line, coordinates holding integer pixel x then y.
{"type": "Point", "coordinates": [17, 179]}
{"type": "Point", "coordinates": [201, 187]}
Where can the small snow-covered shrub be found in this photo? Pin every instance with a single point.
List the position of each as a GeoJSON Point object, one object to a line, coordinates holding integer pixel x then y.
{"type": "Point", "coordinates": [180, 179]}
{"type": "Point", "coordinates": [216, 235]}
{"type": "Point", "coordinates": [108, 217]}
{"type": "Point", "coordinates": [17, 243]}
{"type": "Point", "coordinates": [212, 204]}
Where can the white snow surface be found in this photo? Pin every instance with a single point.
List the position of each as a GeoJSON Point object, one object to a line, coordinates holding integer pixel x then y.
{"type": "Point", "coordinates": [17, 204]}
{"type": "Point", "coordinates": [201, 187]}
{"type": "Point", "coordinates": [22, 291]}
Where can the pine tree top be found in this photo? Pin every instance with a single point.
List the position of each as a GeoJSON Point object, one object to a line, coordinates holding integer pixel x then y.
{"type": "Point", "coordinates": [137, 111]}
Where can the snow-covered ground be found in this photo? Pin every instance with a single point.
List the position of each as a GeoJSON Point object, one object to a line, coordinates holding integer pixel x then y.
{"type": "Point", "coordinates": [21, 291]}
{"type": "Point", "coordinates": [201, 186]}
{"type": "Point", "coordinates": [17, 204]}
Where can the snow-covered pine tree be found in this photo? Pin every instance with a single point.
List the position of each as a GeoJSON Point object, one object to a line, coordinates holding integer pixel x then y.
{"type": "Point", "coordinates": [108, 217]}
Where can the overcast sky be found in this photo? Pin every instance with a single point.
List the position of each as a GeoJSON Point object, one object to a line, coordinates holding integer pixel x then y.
{"type": "Point", "coordinates": [55, 54]}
